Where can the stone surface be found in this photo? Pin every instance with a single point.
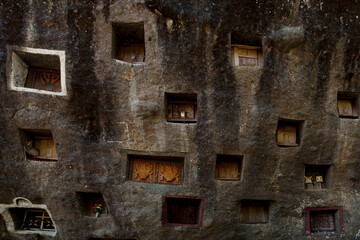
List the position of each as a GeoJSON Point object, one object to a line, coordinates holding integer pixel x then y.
{"type": "Point", "coordinates": [311, 51]}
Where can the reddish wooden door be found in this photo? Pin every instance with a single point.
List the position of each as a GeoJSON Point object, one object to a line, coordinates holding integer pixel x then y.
{"type": "Point", "coordinates": [44, 79]}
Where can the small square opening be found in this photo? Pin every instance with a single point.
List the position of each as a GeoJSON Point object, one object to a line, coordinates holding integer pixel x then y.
{"type": "Point", "coordinates": [156, 169]}
{"type": "Point", "coordinates": [128, 43]}
{"type": "Point", "coordinates": [37, 70]}
{"type": "Point", "coordinates": [316, 176]}
{"type": "Point", "coordinates": [228, 167]}
{"type": "Point", "coordinates": [348, 105]}
{"type": "Point", "coordinates": [288, 133]}
{"type": "Point", "coordinates": [38, 145]}
{"type": "Point", "coordinates": [324, 221]}
{"type": "Point", "coordinates": [254, 211]}
{"type": "Point", "coordinates": [181, 107]}
{"type": "Point", "coordinates": [92, 204]}
{"type": "Point", "coordinates": [31, 219]}
{"type": "Point", "coordinates": [246, 50]}
{"type": "Point", "coordinates": [183, 211]}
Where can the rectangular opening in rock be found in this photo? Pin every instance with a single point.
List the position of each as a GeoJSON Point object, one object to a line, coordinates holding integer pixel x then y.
{"type": "Point", "coordinates": [31, 219]}
{"type": "Point", "coordinates": [38, 69]}
{"type": "Point", "coordinates": [92, 204]}
{"type": "Point", "coordinates": [128, 42]}
{"type": "Point", "coordinates": [254, 211]}
{"type": "Point", "coordinates": [348, 105]}
{"type": "Point", "coordinates": [288, 133]}
{"type": "Point", "coordinates": [183, 211]}
{"type": "Point", "coordinates": [181, 107]}
{"type": "Point", "coordinates": [38, 145]}
{"type": "Point", "coordinates": [156, 169]}
{"type": "Point", "coordinates": [316, 176]}
{"type": "Point", "coordinates": [228, 167]}
{"type": "Point", "coordinates": [324, 221]}
{"type": "Point", "coordinates": [246, 50]}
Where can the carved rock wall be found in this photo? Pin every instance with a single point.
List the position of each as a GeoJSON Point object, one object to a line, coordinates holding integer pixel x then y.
{"type": "Point", "coordinates": [112, 109]}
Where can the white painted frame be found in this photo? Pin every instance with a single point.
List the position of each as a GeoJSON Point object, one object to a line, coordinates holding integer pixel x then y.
{"type": "Point", "coordinates": [20, 202]}
{"type": "Point", "coordinates": [17, 68]}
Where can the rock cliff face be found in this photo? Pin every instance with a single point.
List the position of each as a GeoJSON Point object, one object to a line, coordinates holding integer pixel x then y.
{"type": "Point", "coordinates": [113, 110]}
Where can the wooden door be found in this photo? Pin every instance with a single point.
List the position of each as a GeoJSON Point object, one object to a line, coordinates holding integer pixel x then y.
{"type": "Point", "coordinates": [345, 107]}
{"type": "Point", "coordinates": [254, 212]}
{"type": "Point", "coordinates": [44, 79]}
{"type": "Point", "coordinates": [169, 172]}
{"type": "Point", "coordinates": [322, 221]}
{"type": "Point", "coordinates": [143, 170]}
{"type": "Point", "coordinates": [228, 170]}
{"type": "Point", "coordinates": [286, 135]}
{"type": "Point", "coordinates": [46, 148]}
{"type": "Point", "coordinates": [183, 211]}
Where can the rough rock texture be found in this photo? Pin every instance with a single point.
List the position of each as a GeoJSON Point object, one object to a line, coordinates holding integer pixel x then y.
{"type": "Point", "coordinates": [311, 51]}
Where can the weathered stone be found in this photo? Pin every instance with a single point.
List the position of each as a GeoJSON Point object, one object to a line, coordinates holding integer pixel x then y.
{"type": "Point", "coordinates": [112, 109]}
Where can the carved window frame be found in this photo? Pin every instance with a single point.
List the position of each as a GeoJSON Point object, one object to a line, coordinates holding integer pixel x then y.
{"type": "Point", "coordinates": [200, 213]}
{"type": "Point", "coordinates": [23, 204]}
{"type": "Point", "coordinates": [156, 161]}
{"type": "Point", "coordinates": [18, 68]}
{"type": "Point", "coordinates": [339, 221]}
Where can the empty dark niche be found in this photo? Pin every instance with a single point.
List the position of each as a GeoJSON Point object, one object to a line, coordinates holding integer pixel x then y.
{"type": "Point", "coordinates": [38, 145]}
{"type": "Point", "coordinates": [181, 107]}
{"type": "Point", "coordinates": [288, 133]}
{"type": "Point", "coordinates": [254, 211]}
{"type": "Point", "coordinates": [324, 221]}
{"type": "Point", "coordinates": [92, 204]}
{"type": "Point", "coordinates": [348, 105]}
{"type": "Point", "coordinates": [38, 71]}
{"type": "Point", "coordinates": [156, 169]}
{"type": "Point", "coordinates": [31, 219]}
{"type": "Point", "coordinates": [128, 43]}
{"type": "Point", "coordinates": [316, 176]}
{"type": "Point", "coordinates": [246, 49]}
{"type": "Point", "coordinates": [183, 211]}
{"type": "Point", "coordinates": [228, 167]}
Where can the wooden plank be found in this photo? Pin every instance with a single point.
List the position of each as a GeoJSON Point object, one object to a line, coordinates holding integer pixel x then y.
{"type": "Point", "coordinates": [245, 46]}
{"type": "Point", "coordinates": [235, 56]}
{"type": "Point", "coordinates": [254, 212]}
{"type": "Point", "coordinates": [286, 135]}
{"type": "Point", "coordinates": [228, 170]}
{"type": "Point", "coordinates": [243, 52]}
{"type": "Point", "coordinates": [52, 149]}
{"type": "Point", "coordinates": [257, 213]}
{"type": "Point", "coordinates": [345, 107]}
{"type": "Point", "coordinates": [244, 214]}
{"type": "Point", "coordinates": [252, 53]}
